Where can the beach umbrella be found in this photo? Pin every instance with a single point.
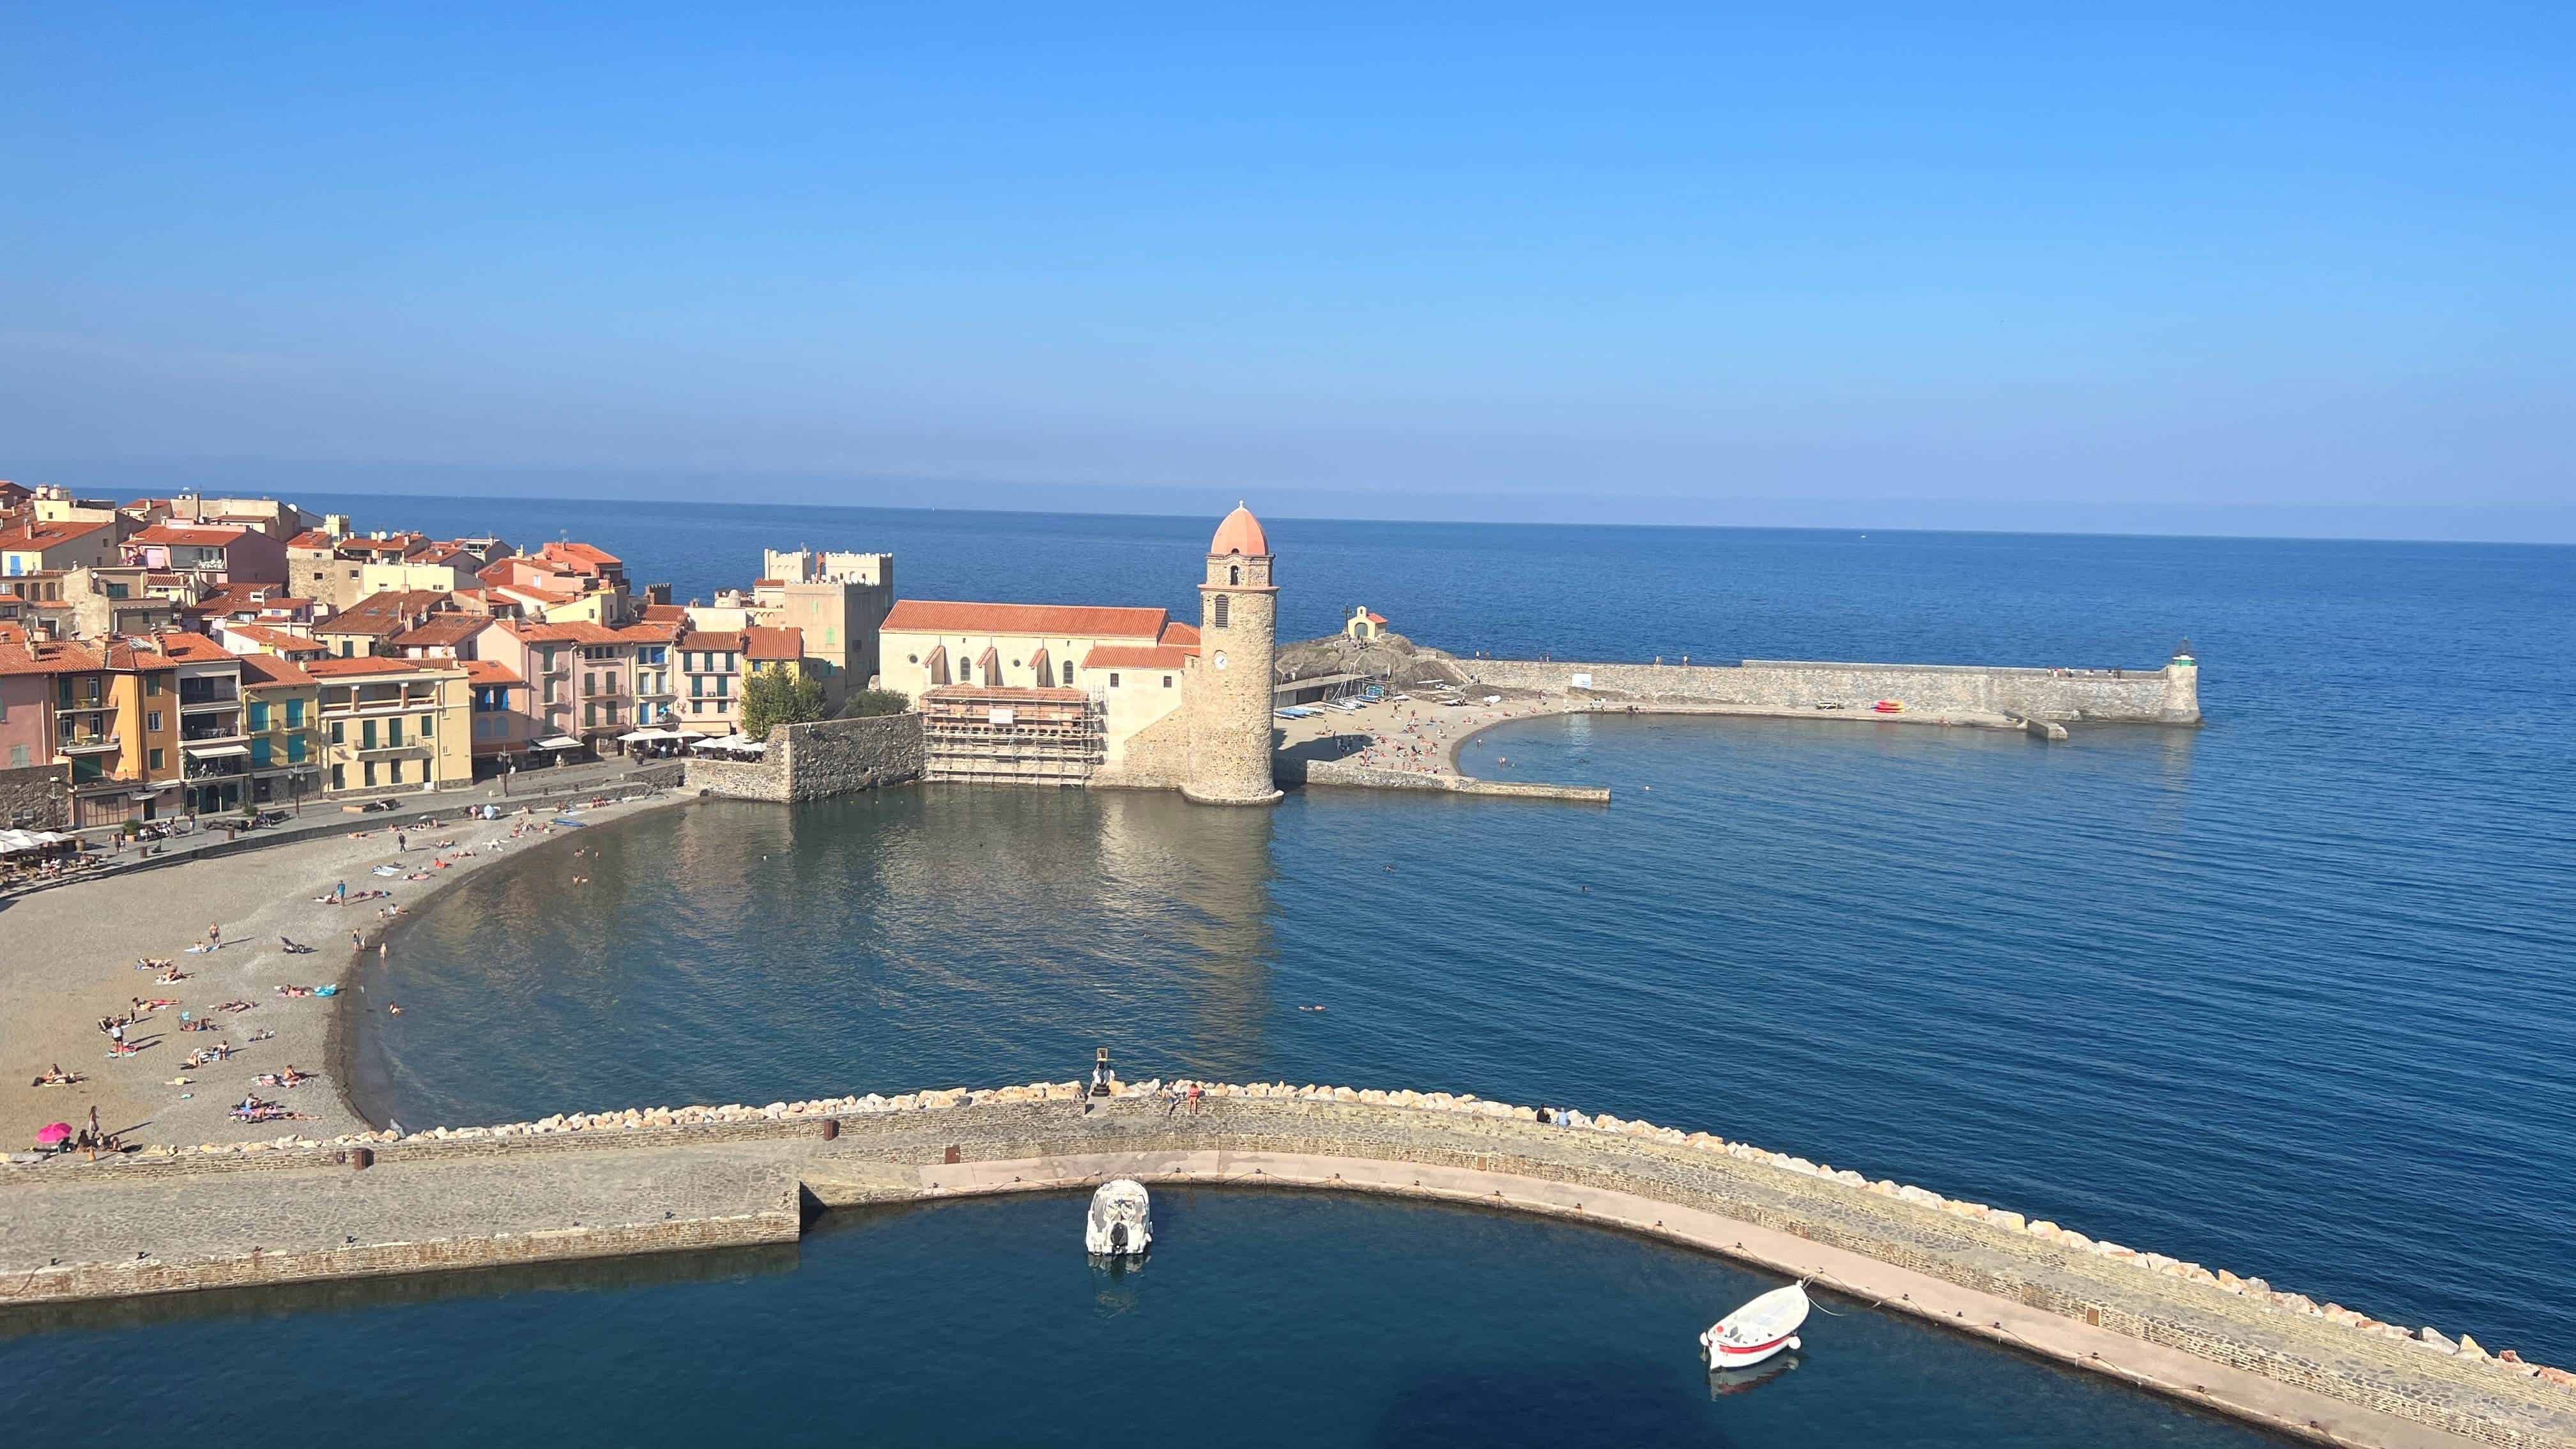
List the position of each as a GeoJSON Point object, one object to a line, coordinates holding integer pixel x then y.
{"type": "Point", "coordinates": [52, 1133]}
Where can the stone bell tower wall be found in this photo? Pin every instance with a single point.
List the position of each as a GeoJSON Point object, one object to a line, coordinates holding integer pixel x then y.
{"type": "Point", "coordinates": [1229, 708]}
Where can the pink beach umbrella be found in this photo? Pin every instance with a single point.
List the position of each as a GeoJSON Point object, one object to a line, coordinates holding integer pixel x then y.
{"type": "Point", "coordinates": [47, 1136]}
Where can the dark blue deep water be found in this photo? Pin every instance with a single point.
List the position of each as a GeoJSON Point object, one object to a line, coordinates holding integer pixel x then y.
{"type": "Point", "coordinates": [2286, 994]}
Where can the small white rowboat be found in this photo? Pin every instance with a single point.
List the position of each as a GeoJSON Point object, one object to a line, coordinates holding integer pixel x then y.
{"type": "Point", "coordinates": [1757, 1330]}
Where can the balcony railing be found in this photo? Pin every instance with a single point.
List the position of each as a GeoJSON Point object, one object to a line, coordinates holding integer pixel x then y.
{"type": "Point", "coordinates": [194, 695]}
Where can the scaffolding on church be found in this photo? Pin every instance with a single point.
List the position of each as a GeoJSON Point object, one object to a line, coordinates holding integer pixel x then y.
{"type": "Point", "coordinates": [997, 735]}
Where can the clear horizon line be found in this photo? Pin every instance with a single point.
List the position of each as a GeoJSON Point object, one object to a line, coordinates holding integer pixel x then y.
{"type": "Point", "coordinates": [1862, 529]}
{"type": "Point", "coordinates": [2532, 525]}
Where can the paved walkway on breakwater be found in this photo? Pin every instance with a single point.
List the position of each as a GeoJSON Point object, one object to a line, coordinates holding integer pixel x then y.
{"type": "Point", "coordinates": [661, 1179]}
{"type": "Point", "coordinates": [67, 958]}
{"type": "Point", "coordinates": [1416, 744]}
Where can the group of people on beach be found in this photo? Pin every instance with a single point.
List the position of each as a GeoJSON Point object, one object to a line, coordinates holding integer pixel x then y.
{"type": "Point", "coordinates": [253, 1108]}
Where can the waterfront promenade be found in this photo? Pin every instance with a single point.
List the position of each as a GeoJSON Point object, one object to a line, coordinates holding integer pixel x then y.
{"type": "Point", "coordinates": [655, 1179]}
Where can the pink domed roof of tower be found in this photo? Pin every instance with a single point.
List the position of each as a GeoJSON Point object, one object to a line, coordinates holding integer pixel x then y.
{"type": "Point", "coordinates": [1241, 533]}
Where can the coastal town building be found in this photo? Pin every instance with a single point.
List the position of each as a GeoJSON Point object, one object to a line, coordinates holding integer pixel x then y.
{"type": "Point", "coordinates": [35, 785]}
{"type": "Point", "coordinates": [504, 729]}
{"type": "Point", "coordinates": [285, 641]}
{"type": "Point", "coordinates": [1364, 624]}
{"type": "Point", "coordinates": [282, 720]}
{"type": "Point", "coordinates": [106, 713]}
{"type": "Point", "coordinates": [337, 570]}
{"type": "Point", "coordinates": [213, 553]}
{"type": "Point", "coordinates": [49, 545]}
{"type": "Point", "coordinates": [713, 666]}
{"type": "Point", "coordinates": [269, 517]}
{"type": "Point", "coordinates": [590, 683]}
{"type": "Point", "coordinates": [119, 601]}
{"type": "Point", "coordinates": [268, 604]}
{"type": "Point", "coordinates": [369, 626]}
{"type": "Point", "coordinates": [394, 723]}
{"type": "Point", "coordinates": [53, 503]}
{"type": "Point", "coordinates": [214, 750]}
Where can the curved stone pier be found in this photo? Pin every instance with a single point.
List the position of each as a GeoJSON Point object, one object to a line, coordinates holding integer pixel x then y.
{"type": "Point", "coordinates": [650, 1180]}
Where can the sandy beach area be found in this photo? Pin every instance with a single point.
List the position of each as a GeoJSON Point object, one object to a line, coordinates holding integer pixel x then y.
{"type": "Point", "coordinates": [68, 958]}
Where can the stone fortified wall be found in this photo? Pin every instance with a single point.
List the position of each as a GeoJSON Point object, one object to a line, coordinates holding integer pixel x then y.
{"type": "Point", "coordinates": [36, 797]}
{"type": "Point", "coordinates": [814, 761]}
{"type": "Point", "coordinates": [668, 1178]}
{"type": "Point", "coordinates": [1156, 757]}
{"type": "Point", "coordinates": [2170, 695]}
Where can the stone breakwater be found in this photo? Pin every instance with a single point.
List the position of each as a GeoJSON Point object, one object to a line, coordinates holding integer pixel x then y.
{"type": "Point", "coordinates": [648, 1179]}
{"type": "Point", "coordinates": [2170, 695]}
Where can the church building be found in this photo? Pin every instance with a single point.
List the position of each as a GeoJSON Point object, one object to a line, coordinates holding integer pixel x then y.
{"type": "Point", "coordinates": [1101, 695]}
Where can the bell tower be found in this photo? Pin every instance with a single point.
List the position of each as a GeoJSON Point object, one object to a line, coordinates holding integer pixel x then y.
{"type": "Point", "coordinates": [1229, 682]}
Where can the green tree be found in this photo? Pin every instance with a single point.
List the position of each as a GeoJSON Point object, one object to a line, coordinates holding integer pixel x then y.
{"type": "Point", "coordinates": [868, 702]}
{"type": "Point", "coordinates": [773, 697]}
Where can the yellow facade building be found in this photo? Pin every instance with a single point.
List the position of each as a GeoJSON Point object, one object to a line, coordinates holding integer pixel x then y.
{"type": "Point", "coordinates": [394, 724]}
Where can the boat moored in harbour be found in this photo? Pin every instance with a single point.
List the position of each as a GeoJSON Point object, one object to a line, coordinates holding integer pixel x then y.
{"type": "Point", "coordinates": [1758, 1330]}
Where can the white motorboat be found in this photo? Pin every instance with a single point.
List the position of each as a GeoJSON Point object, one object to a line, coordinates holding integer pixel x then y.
{"type": "Point", "coordinates": [1757, 1330]}
{"type": "Point", "coordinates": [1122, 1220]}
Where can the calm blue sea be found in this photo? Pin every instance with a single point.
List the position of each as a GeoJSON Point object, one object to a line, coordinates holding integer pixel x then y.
{"type": "Point", "coordinates": [2286, 994]}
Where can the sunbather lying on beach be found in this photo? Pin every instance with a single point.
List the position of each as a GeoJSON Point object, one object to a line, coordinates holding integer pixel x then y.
{"type": "Point", "coordinates": [170, 975]}
{"type": "Point", "coordinates": [231, 1006]}
{"type": "Point", "coordinates": [295, 991]}
{"type": "Point", "coordinates": [55, 1076]}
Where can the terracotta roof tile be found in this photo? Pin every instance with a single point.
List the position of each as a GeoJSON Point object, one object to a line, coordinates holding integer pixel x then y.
{"type": "Point", "coordinates": [1077, 621]}
{"type": "Point", "coordinates": [189, 534]}
{"type": "Point", "coordinates": [441, 631]}
{"type": "Point", "coordinates": [259, 669]}
{"type": "Point", "coordinates": [1135, 656]}
{"type": "Point", "coordinates": [192, 648]}
{"type": "Point", "coordinates": [46, 535]}
{"type": "Point", "coordinates": [379, 664]}
{"type": "Point", "coordinates": [278, 640]}
{"type": "Point", "coordinates": [762, 643]}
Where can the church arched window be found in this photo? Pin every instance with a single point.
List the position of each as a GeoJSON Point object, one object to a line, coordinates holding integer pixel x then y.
{"type": "Point", "coordinates": [1218, 619]}
{"type": "Point", "coordinates": [1234, 573]}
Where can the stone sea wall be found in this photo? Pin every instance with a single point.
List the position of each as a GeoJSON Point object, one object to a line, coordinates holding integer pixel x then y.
{"type": "Point", "coordinates": [36, 797]}
{"type": "Point", "coordinates": [870, 1148]}
{"type": "Point", "coordinates": [1345, 772]}
{"type": "Point", "coordinates": [2170, 695]}
{"type": "Point", "coordinates": [819, 760]}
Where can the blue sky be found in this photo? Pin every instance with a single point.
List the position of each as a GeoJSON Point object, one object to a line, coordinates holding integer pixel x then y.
{"type": "Point", "coordinates": [2241, 269]}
